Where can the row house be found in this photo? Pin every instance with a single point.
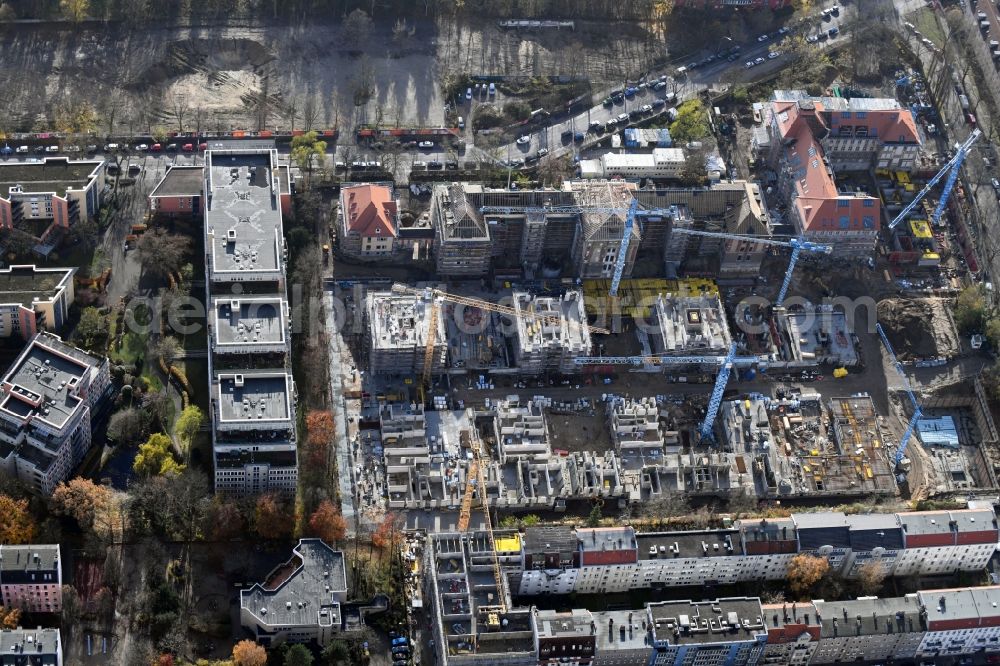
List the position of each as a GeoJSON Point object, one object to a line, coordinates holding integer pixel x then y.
{"type": "Point", "coordinates": [565, 560]}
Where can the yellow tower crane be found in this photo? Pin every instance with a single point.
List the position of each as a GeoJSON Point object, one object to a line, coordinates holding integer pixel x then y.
{"type": "Point", "coordinates": [439, 295]}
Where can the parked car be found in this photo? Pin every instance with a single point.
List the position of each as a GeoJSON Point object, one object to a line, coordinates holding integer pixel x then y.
{"type": "Point", "coordinates": [763, 38]}
{"type": "Point", "coordinates": [516, 163]}
{"type": "Point", "coordinates": [646, 108]}
{"type": "Point", "coordinates": [468, 94]}
{"type": "Point", "coordinates": [434, 164]}
{"type": "Point", "coordinates": [21, 150]}
{"type": "Point", "coordinates": [622, 118]}
{"type": "Point", "coordinates": [171, 147]}
{"type": "Point", "coordinates": [141, 147]}
{"type": "Point", "coordinates": [425, 144]}
{"type": "Point", "coordinates": [523, 140]}
{"type": "Point", "coordinates": [773, 54]}
{"type": "Point", "coordinates": [188, 148]}
{"type": "Point", "coordinates": [833, 32]}
{"type": "Point", "coordinates": [659, 85]}
{"type": "Point", "coordinates": [493, 89]}
{"type": "Point", "coordinates": [156, 148]}
{"type": "Point", "coordinates": [542, 152]}
{"type": "Point", "coordinates": [419, 164]}
{"type": "Point", "coordinates": [759, 61]}
{"type": "Point", "coordinates": [41, 149]}
{"type": "Point", "coordinates": [6, 150]}
{"type": "Point", "coordinates": [657, 103]}
{"type": "Point", "coordinates": [748, 64]}
{"type": "Point", "coordinates": [451, 165]}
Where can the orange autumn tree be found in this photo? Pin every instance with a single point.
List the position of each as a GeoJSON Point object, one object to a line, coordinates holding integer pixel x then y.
{"type": "Point", "coordinates": [17, 525]}
{"type": "Point", "coordinates": [80, 499]}
{"type": "Point", "coordinates": [327, 523]}
{"type": "Point", "coordinates": [248, 653]}
{"type": "Point", "coordinates": [9, 617]}
{"type": "Point", "coordinates": [271, 518]}
{"type": "Point", "coordinates": [319, 434]}
{"type": "Point", "coordinates": [388, 533]}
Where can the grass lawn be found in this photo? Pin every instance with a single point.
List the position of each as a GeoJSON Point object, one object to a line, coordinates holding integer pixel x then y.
{"type": "Point", "coordinates": [927, 24]}
{"type": "Point", "coordinates": [133, 348]}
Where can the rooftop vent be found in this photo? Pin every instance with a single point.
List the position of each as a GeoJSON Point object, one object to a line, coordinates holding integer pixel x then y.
{"type": "Point", "coordinates": [231, 235]}
{"type": "Point", "coordinates": [238, 381]}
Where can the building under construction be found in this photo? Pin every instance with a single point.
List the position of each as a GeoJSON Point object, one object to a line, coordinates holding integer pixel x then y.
{"type": "Point", "coordinates": [551, 332]}
{"type": "Point", "coordinates": [397, 330]}
{"type": "Point", "coordinates": [690, 325]}
{"type": "Point", "coordinates": [543, 233]}
{"type": "Point", "coordinates": [797, 451]}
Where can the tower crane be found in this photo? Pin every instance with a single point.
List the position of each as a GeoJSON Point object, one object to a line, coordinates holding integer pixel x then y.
{"type": "Point", "coordinates": [726, 364]}
{"type": "Point", "coordinates": [633, 213]}
{"type": "Point", "coordinates": [951, 169]}
{"type": "Point", "coordinates": [437, 295]}
{"type": "Point", "coordinates": [918, 412]}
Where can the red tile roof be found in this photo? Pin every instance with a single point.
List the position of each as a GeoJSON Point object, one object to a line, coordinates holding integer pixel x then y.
{"type": "Point", "coordinates": [821, 207]}
{"type": "Point", "coordinates": [369, 210]}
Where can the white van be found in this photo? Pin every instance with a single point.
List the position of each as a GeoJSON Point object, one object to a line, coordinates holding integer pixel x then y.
{"type": "Point", "coordinates": [461, 122]}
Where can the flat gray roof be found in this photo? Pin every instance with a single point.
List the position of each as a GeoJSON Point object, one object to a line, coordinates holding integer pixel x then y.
{"type": "Point", "coordinates": [42, 378]}
{"type": "Point", "coordinates": [264, 396]}
{"type": "Point", "coordinates": [707, 622]}
{"type": "Point", "coordinates": [300, 591]}
{"type": "Point", "coordinates": [54, 174]}
{"type": "Point", "coordinates": [243, 214]}
{"type": "Point", "coordinates": [22, 284]}
{"type": "Point", "coordinates": [21, 558]}
{"type": "Point", "coordinates": [43, 648]}
{"type": "Point", "coordinates": [180, 181]}
{"type": "Point", "coordinates": [867, 617]}
{"type": "Point", "coordinates": [256, 320]}
{"type": "Point", "coordinates": [672, 545]}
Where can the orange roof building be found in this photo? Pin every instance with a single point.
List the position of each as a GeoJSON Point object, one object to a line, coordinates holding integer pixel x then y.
{"type": "Point", "coordinates": [809, 139]}
{"type": "Point", "coordinates": [368, 220]}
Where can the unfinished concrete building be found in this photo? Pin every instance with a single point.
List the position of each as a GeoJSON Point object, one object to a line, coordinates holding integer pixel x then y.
{"type": "Point", "coordinates": [520, 429]}
{"type": "Point", "coordinates": [463, 246]}
{"type": "Point", "coordinates": [468, 627]}
{"type": "Point", "coordinates": [426, 455]}
{"type": "Point", "coordinates": [692, 325]}
{"type": "Point", "coordinates": [551, 332]}
{"type": "Point", "coordinates": [812, 336]}
{"type": "Point", "coordinates": [797, 452]}
{"type": "Point", "coordinates": [635, 425]}
{"type": "Point", "coordinates": [397, 330]}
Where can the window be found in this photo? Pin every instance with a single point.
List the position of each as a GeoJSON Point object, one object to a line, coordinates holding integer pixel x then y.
{"type": "Point", "coordinates": [845, 222]}
{"type": "Point", "coordinates": [869, 203]}
{"type": "Point", "coordinates": [869, 222]}
{"type": "Point", "coordinates": [843, 203]}
{"type": "Point", "coordinates": [861, 115]}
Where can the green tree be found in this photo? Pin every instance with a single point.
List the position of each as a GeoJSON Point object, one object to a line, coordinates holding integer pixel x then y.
{"type": "Point", "coordinates": [92, 330]}
{"type": "Point", "coordinates": [188, 424]}
{"type": "Point", "coordinates": [75, 10]}
{"type": "Point", "coordinates": [298, 655]}
{"type": "Point", "coordinates": [691, 123]}
{"type": "Point", "coordinates": [155, 458]}
{"type": "Point", "coordinates": [308, 151]}
{"type": "Point", "coordinates": [970, 309]}
{"type": "Point", "coordinates": [594, 519]}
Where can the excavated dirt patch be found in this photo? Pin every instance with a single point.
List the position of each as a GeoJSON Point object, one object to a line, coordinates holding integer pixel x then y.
{"type": "Point", "coordinates": [919, 327]}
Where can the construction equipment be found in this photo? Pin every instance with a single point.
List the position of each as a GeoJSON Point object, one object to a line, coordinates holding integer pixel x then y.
{"type": "Point", "coordinates": [797, 245]}
{"type": "Point", "coordinates": [951, 169]}
{"type": "Point", "coordinates": [633, 214]}
{"type": "Point", "coordinates": [437, 295]}
{"type": "Point", "coordinates": [465, 511]}
{"type": "Point", "coordinates": [918, 412]}
{"type": "Point", "coordinates": [475, 478]}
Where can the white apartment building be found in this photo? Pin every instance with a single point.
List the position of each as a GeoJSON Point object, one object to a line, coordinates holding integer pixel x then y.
{"type": "Point", "coordinates": [661, 163]}
{"type": "Point", "coordinates": [300, 602]}
{"type": "Point", "coordinates": [47, 398]}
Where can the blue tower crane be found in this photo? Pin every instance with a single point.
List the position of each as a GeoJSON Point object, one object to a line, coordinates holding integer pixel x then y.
{"type": "Point", "coordinates": [951, 169]}
{"type": "Point", "coordinates": [633, 212]}
{"type": "Point", "coordinates": [918, 412]}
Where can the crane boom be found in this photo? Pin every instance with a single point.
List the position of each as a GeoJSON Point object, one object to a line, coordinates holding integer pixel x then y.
{"type": "Point", "coordinates": [951, 169]}
{"type": "Point", "coordinates": [492, 307]}
{"type": "Point", "coordinates": [633, 213]}
{"type": "Point", "coordinates": [918, 411]}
